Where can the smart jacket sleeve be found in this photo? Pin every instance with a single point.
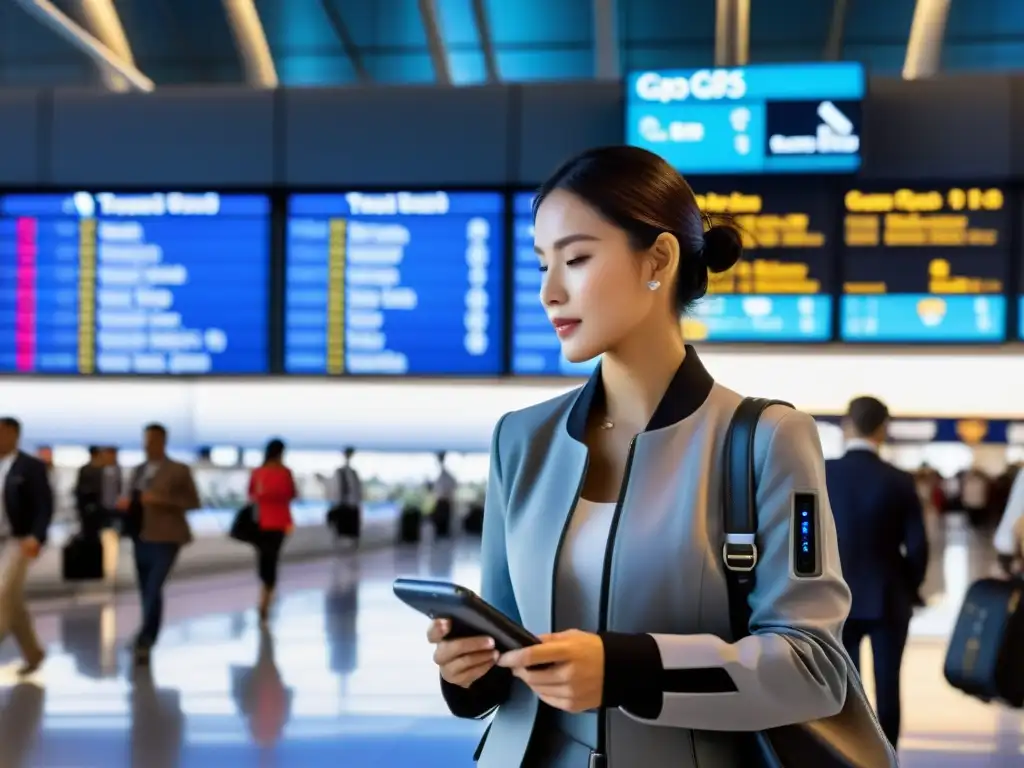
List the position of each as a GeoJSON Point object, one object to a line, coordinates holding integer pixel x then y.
{"type": "Point", "coordinates": [493, 688]}
{"type": "Point", "coordinates": [42, 499]}
{"type": "Point", "coordinates": [915, 539]}
{"type": "Point", "coordinates": [791, 668]}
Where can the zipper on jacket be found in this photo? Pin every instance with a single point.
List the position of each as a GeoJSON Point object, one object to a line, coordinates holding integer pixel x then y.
{"type": "Point", "coordinates": [599, 757]}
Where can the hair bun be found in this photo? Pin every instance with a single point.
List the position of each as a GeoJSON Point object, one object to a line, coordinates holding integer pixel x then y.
{"type": "Point", "coordinates": [723, 247]}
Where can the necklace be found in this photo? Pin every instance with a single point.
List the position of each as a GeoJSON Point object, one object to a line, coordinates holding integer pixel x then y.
{"type": "Point", "coordinates": [607, 424]}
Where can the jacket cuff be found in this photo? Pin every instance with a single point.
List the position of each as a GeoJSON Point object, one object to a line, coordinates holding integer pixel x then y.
{"type": "Point", "coordinates": [481, 697]}
{"type": "Point", "coordinates": [633, 673]}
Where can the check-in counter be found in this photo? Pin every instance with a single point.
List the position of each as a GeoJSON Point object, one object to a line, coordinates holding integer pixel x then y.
{"type": "Point", "coordinates": [211, 550]}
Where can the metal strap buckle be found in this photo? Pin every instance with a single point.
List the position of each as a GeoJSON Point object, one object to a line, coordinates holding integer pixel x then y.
{"type": "Point", "coordinates": [739, 557]}
{"type": "Point", "coordinates": [596, 760]}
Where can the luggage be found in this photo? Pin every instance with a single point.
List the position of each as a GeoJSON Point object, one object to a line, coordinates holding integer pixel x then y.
{"type": "Point", "coordinates": [245, 527]}
{"type": "Point", "coordinates": [985, 658]}
{"type": "Point", "coordinates": [441, 517]}
{"type": "Point", "coordinates": [409, 525]}
{"type": "Point", "coordinates": [473, 522]}
{"type": "Point", "coordinates": [82, 558]}
{"type": "Point", "coordinates": [345, 520]}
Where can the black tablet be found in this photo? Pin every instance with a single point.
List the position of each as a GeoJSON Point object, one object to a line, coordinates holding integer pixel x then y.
{"type": "Point", "coordinates": [469, 614]}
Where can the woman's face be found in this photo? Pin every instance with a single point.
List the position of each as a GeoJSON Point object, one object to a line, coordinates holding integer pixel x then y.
{"type": "Point", "coordinates": [594, 290]}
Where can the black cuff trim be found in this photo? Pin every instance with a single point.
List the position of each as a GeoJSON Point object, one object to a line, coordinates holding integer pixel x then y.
{"type": "Point", "coordinates": [633, 674]}
{"type": "Point", "coordinates": [481, 697]}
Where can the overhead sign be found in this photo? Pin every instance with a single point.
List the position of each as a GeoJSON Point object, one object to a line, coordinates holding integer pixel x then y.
{"type": "Point", "coordinates": [758, 119]}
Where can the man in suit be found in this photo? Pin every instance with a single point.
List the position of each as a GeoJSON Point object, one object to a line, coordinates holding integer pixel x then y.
{"type": "Point", "coordinates": [162, 492]}
{"type": "Point", "coordinates": [883, 549]}
{"type": "Point", "coordinates": [26, 508]}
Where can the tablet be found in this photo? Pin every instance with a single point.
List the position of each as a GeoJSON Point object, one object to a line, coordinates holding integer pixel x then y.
{"type": "Point", "coordinates": [469, 614]}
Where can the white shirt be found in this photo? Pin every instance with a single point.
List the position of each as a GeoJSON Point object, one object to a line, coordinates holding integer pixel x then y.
{"type": "Point", "coordinates": [445, 486]}
{"type": "Point", "coordinates": [5, 468]}
{"type": "Point", "coordinates": [347, 488]}
{"type": "Point", "coordinates": [1009, 535]}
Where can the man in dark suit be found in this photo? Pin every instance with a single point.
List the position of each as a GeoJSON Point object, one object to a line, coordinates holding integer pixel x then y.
{"type": "Point", "coordinates": [883, 548]}
{"type": "Point", "coordinates": [26, 508]}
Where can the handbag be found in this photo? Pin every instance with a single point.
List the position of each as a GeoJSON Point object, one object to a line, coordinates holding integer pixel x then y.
{"type": "Point", "coordinates": [851, 739]}
{"type": "Point", "coordinates": [245, 527]}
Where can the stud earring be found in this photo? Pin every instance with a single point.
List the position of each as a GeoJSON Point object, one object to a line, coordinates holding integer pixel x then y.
{"type": "Point", "coordinates": [654, 285]}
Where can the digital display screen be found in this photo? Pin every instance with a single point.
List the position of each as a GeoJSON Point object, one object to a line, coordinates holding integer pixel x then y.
{"type": "Point", "coordinates": [391, 283]}
{"type": "Point", "coordinates": [925, 264]}
{"type": "Point", "coordinates": [805, 535]}
{"type": "Point", "coordinates": [782, 288]}
{"type": "Point", "coordinates": [536, 349]}
{"type": "Point", "coordinates": [759, 119]}
{"type": "Point", "coordinates": [155, 283]}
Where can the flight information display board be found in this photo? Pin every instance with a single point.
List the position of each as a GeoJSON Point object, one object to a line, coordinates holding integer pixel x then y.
{"type": "Point", "coordinates": [782, 288]}
{"type": "Point", "coordinates": [153, 283]}
{"type": "Point", "coordinates": [925, 264]}
{"type": "Point", "coordinates": [767, 118]}
{"type": "Point", "coordinates": [383, 283]}
{"type": "Point", "coordinates": [536, 349]}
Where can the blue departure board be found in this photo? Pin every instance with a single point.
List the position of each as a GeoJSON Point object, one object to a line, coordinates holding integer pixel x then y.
{"type": "Point", "coordinates": [154, 283]}
{"type": "Point", "coordinates": [384, 283]}
{"type": "Point", "coordinates": [536, 349]}
{"type": "Point", "coordinates": [759, 119]}
{"type": "Point", "coordinates": [925, 264]}
{"type": "Point", "coordinates": [782, 288]}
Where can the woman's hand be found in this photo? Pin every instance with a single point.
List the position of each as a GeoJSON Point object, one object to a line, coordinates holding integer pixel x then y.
{"type": "Point", "coordinates": [573, 675]}
{"type": "Point", "coordinates": [464, 660]}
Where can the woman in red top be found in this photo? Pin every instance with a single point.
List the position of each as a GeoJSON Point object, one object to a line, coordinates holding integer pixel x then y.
{"type": "Point", "coordinates": [271, 490]}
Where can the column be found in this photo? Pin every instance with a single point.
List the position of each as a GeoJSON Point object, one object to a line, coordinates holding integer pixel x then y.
{"type": "Point", "coordinates": [732, 33]}
{"type": "Point", "coordinates": [336, 297]}
{"type": "Point", "coordinates": [927, 34]}
{"type": "Point", "coordinates": [87, 296]}
{"type": "Point", "coordinates": [26, 249]}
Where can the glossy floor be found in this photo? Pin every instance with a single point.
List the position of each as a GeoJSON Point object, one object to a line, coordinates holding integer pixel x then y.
{"type": "Point", "coordinates": [343, 677]}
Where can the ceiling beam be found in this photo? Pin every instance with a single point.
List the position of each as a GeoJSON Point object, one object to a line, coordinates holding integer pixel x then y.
{"type": "Point", "coordinates": [348, 43]}
{"type": "Point", "coordinates": [927, 36]}
{"type": "Point", "coordinates": [251, 41]}
{"type": "Point", "coordinates": [51, 16]}
{"type": "Point", "coordinates": [435, 42]}
{"type": "Point", "coordinates": [102, 20]}
{"type": "Point", "coordinates": [606, 39]}
{"type": "Point", "coordinates": [732, 33]}
{"type": "Point", "coordinates": [836, 31]}
{"type": "Point", "coordinates": [483, 31]}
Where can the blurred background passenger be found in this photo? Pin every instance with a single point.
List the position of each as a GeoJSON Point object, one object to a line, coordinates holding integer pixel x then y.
{"type": "Point", "coordinates": [271, 490]}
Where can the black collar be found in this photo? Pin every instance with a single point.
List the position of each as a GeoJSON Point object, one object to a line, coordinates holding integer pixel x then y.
{"type": "Point", "coordinates": [686, 393]}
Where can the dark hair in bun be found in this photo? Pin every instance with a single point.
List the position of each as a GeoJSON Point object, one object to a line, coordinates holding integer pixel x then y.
{"type": "Point", "coordinates": [642, 194]}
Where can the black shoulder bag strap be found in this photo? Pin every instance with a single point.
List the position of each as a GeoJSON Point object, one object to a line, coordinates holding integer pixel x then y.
{"type": "Point", "coordinates": [739, 502]}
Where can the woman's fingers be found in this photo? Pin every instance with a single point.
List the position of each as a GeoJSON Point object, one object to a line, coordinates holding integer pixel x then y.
{"type": "Point", "coordinates": [469, 674]}
{"type": "Point", "coordinates": [438, 630]}
{"type": "Point", "coordinates": [448, 650]}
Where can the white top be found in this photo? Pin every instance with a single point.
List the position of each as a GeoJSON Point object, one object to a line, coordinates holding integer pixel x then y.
{"type": "Point", "coordinates": [445, 486]}
{"type": "Point", "coordinates": [578, 592]}
{"type": "Point", "coordinates": [346, 488]}
{"type": "Point", "coordinates": [5, 467]}
{"type": "Point", "coordinates": [1010, 533]}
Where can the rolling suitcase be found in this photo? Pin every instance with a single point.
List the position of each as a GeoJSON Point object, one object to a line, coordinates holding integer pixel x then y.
{"type": "Point", "coordinates": [473, 522]}
{"type": "Point", "coordinates": [410, 524]}
{"type": "Point", "coordinates": [82, 558]}
{"type": "Point", "coordinates": [985, 657]}
{"type": "Point", "coordinates": [441, 517]}
{"type": "Point", "coordinates": [346, 521]}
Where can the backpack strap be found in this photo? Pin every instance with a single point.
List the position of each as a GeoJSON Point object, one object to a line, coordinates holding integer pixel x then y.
{"type": "Point", "coordinates": [739, 504]}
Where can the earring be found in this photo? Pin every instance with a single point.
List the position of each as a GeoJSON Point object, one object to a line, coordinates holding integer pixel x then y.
{"type": "Point", "coordinates": [654, 285]}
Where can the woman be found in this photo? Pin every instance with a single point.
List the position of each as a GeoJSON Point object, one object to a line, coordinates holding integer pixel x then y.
{"type": "Point", "coordinates": [271, 490]}
{"type": "Point", "coordinates": [636, 667]}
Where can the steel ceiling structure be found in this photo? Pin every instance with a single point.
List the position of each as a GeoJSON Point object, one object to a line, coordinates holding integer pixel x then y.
{"type": "Point", "coordinates": [264, 43]}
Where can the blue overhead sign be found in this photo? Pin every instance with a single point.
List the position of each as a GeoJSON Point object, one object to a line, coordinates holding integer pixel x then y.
{"type": "Point", "coordinates": [758, 119]}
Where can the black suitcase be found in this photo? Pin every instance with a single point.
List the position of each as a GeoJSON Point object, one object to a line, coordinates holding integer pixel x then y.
{"type": "Point", "coordinates": [345, 520]}
{"type": "Point", "coordinates": [409, 525]}
{"type": "Point", "coordinates": [82, 558]}
{"type": "Point", "coordinates": [985, 657]}
{"type": "Point", "coordinates": [441, 517]}
{"type": "Point", "coordinates": [473, 522]}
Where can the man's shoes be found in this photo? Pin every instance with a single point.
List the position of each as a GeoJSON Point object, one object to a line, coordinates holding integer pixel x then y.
{"type": "Point", "coordinates": [31, 666]}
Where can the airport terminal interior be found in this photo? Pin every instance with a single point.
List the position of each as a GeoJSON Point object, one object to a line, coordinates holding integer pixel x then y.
{"type": "Point", "coordinates": [228, 222]}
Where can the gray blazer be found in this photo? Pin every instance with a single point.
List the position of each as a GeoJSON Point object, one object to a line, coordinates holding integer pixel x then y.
{"type": "Point", "coordinates": [675, 683]}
